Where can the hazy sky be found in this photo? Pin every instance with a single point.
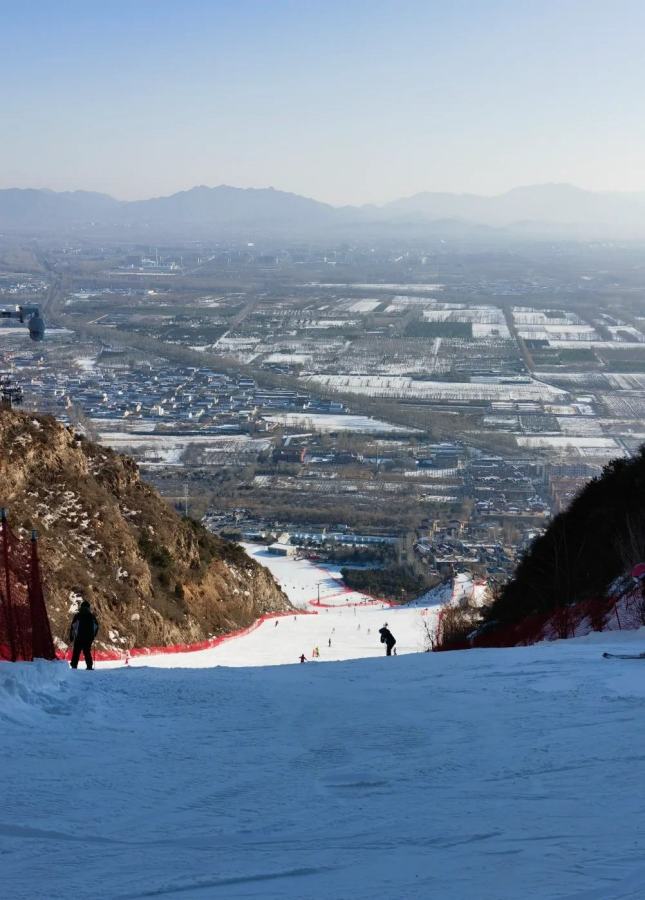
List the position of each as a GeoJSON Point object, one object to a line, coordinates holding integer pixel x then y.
{"type": "Point", "coordinates": [348, 101]}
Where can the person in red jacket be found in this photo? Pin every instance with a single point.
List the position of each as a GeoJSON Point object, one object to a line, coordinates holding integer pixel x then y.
{"type": "Point", "coordinates": [82, 632]}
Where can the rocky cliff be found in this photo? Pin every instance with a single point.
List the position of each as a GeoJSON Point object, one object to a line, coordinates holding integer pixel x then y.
{"type": "Point", "coordinates": [152, 577]}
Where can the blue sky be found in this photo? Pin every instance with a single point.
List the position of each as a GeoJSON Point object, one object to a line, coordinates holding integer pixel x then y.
{"type": "Point", "coordinates": [349, 102]}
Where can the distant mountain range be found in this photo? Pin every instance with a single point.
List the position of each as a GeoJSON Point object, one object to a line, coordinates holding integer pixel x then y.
{"type": "Point", "coordinates": [547, 208]}
{"type": "Point", "coordinates": [561, 204]}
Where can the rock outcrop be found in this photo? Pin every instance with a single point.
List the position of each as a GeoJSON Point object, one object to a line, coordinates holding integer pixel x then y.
{"type": "Point", "coordinates": [153, 577]}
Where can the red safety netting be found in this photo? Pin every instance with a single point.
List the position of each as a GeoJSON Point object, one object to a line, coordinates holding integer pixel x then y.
{"type": "Point", "coordinates": [206, 644]}
{"type": "Point", "coordinates": [614, 612]}
{"type": "Point", "coordinates": [24, 625]}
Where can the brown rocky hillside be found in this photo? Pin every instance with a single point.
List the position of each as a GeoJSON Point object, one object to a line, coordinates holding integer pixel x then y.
{"type": "Point", "coordinates": [152, 577]}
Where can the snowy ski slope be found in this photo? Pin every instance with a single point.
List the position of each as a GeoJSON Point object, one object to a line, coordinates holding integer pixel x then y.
{"type": "Point", "coordinates": [489, 774]}
{"type": "Point", "coordinates": [349, 619]}
{"type": "Point", "coordinates": [483, 775]}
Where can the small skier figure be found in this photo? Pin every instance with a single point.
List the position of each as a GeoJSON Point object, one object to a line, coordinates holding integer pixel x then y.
{"type": "Point", "coordinates": [276, 624]}
{"type": "Point", "coordinates": [82, 631]}
{"type": "Point", "coordinates": [302, 657]}
{"type": "Point", "coordinates": [317, 653]}
{"type": "Point", "coordinates": [329, 643]}
{"type": "Point", "coordinates": [388, 639]}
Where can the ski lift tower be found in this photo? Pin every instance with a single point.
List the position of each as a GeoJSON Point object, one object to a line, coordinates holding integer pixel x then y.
{"type": "Point", "coordinates": [29, 316]}
{"type": "Point", "coordinates": [10, 393]}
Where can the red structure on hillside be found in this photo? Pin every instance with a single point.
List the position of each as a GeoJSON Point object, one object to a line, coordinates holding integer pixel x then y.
{"type": "Point", "coordinates": [25, 633]}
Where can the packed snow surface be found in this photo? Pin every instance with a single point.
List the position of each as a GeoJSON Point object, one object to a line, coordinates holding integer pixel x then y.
{"type": "Point", "coordinates": [485, 774]}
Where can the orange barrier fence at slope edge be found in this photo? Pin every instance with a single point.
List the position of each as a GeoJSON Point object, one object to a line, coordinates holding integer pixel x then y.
{"type": "Point", "coordinates": [207, 644]}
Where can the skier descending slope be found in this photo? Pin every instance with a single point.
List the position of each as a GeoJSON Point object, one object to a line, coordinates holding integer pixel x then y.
{"type": "Point", "coordinates": [82, 632]}
{"type": "Point", "coordinates": [388, 639]}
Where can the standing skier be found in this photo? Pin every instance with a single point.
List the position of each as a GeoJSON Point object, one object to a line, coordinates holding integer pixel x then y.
{"type": "Point", "coordinates": [388, 639]}
{"type": "Point", "coordinates": [82, 632]}
{"type": "Point", "coordinates": [302, 658]}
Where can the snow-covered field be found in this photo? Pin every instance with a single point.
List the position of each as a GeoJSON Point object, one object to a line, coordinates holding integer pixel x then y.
{"type": "Point", "coordinates": [364, 306]}
{"type": "Point", "coordinates": [323, 422]}
{"type": "Point", "coordinates": [291, 359]}
{"type": "Point", "coordinates": [168, 450]}
{"type": "Point", "coordinates": [601, 444]}
{"type": "Point", "coordinates": [490, 774]}
{"type": "Point", "coordinates": [398, 386]}
{"type": "Point", "coordinates": [580, 425]}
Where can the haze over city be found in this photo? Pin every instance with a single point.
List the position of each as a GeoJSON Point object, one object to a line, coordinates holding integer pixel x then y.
{"type": "Point", "coordinates": [349, 103]}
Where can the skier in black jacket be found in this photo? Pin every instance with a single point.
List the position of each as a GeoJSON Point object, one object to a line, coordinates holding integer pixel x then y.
{"type": "Point", "coordinates": [82, 632]}
{"type": "Point", "coordinates": [388, 639]}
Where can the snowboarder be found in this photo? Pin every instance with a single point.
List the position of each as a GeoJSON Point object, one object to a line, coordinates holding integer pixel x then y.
{"type": "Point", "coordinates": [82, 632]}
{"type": "Point", "coordinates": [302, 657]}
{"type": "Point", "coordinates": [388, 639]}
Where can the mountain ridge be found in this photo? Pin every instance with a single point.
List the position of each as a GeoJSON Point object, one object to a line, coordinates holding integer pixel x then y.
{"type": "Point", "coordinates": [225, 208]}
